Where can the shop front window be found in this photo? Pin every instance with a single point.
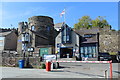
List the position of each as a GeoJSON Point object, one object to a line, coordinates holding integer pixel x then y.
{"type": "Point", "coordinates": [82, 49]}
{"type": "Point", "coordinates": [88, 51]}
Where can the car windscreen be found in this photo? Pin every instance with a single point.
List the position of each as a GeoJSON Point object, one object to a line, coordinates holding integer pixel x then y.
{"type": "Point", "coordinates": [104, 54]}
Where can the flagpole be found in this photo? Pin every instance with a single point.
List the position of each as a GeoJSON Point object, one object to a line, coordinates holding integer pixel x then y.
{"type": "Point", "coordinates": [65, 16]}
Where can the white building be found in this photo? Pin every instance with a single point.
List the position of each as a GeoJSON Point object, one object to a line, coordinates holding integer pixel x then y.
{"type": "Point", "coordinates": [67, 42]}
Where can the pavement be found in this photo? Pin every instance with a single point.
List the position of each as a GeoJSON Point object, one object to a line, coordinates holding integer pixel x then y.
{"type": "Point", "coordinates": [67, 70]}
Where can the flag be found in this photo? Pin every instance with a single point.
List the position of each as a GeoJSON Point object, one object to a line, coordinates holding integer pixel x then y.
{"type": "Point", "coordinates": [63, 12]}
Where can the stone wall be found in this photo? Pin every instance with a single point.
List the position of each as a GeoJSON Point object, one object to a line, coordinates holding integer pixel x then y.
{"type": "Point", "coordinates": [108, 41]}
{"type": "Point", "coordinates": [34, 62]}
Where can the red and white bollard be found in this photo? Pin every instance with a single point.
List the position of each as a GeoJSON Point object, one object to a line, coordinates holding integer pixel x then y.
{"type": "Point", "coordinates": [48, 65]}
{"type": "Point", "coordinates": [111, 70]}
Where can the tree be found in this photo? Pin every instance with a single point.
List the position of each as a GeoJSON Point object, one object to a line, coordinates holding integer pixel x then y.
{"type": "Point", "coordinates": [100, 22]}
{"type": "Point", "coordinates": [87, 22]}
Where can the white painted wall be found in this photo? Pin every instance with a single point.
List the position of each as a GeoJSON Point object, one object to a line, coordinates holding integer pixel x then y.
{"type": "Point", "coordinates": [75, 40]}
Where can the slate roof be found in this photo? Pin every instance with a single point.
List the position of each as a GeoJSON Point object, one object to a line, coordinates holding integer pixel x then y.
{"type": "Point", "coordinates": [87, 31]}
{"type": "Point", "coordinates": [93, 39]}
{"type": "Point", "coordinates": [58, 25]}
{"type": "Point", "coordinates": [90, 40]}
{"type": "Point", "coordinates": [3, 34]}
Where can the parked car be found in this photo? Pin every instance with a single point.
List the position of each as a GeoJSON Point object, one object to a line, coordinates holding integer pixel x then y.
{"type": "Point", "coordinates": [104, 57]}
{"type": "Point", "coordinates": [118, 56]}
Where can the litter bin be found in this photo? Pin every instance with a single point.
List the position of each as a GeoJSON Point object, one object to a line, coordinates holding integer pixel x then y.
{"type": "Point", "coordinates": [48, 65]}
{"type": "Point", "coordinates": [21, 63]}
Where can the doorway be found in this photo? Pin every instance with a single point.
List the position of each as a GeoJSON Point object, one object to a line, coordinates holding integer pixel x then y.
{"type": "Point", "coordinates": [65, 51]}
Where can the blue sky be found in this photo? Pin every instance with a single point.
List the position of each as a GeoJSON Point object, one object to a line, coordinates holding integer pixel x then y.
{"type": "Point", "coordinates": [14, 12]}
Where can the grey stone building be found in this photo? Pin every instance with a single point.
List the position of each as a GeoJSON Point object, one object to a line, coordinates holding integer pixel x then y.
{"type": "Point", "coordinates": [37, 33]}
{"type": "Point", "coordinates": [8, 41]}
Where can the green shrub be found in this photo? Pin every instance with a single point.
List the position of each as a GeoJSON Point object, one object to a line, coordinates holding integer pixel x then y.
{"type": "Point", "coordinates": [43, 66]}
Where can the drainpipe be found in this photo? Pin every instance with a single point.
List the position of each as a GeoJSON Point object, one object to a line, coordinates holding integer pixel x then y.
{"type": "Point", "coordinates": [98, 45]}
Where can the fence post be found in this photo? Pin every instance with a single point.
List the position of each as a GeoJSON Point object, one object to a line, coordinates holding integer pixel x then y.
{"type": "Point", "coordinates": [111, 70]}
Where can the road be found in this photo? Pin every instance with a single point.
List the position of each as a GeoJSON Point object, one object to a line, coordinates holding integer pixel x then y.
{"type": "Point", "coordinates": [77, 70]}
{"type": "Point", "coordinates": [91, 69]}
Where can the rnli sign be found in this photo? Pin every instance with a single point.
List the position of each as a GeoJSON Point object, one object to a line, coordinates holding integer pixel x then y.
{"type": "Point", "coordinates": [49, 57]}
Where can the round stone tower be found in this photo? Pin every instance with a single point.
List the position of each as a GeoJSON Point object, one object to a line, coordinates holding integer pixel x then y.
{"type": "Point", "coordinates": [41, 22]}
{"type": "Point", "coordinates": [43, 26]}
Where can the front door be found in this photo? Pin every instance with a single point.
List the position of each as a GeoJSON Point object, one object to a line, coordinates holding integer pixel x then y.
{"type": "Point", "coordinates": [66, 51]}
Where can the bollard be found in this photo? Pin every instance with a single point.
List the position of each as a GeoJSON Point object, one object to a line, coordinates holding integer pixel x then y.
{"type": "Point", "coordinates": [111, 70]}
{"type": "Point", "coordinates": [67, 55]}
{"type": "Point", "coordinates": [105, 73]}
{"type": "Point", "coordinates": [52, 66]}
{"type": "Point", "coordinates": [48, 65]}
